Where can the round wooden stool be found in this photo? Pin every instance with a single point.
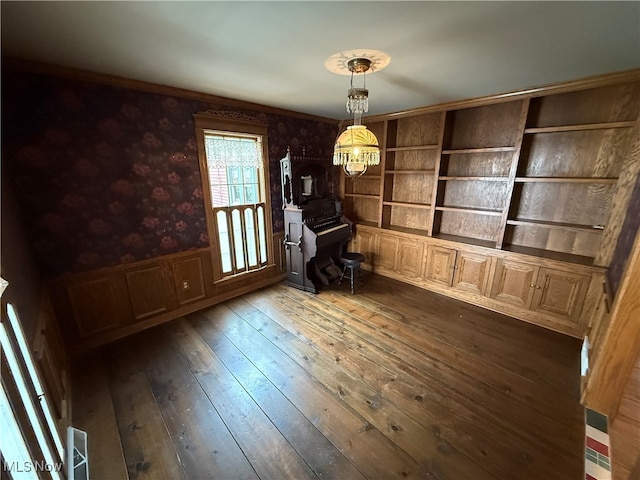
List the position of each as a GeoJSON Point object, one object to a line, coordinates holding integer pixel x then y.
{"type": "Point", "coordinates": [351, 262]}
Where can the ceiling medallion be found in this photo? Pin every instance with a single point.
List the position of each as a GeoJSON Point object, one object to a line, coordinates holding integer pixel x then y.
{"type": "Point", "coordinates": [339, 62]}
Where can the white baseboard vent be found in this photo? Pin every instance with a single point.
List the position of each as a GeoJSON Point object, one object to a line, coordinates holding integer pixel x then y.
{"type": "Point", "coordinates": [77, 454]}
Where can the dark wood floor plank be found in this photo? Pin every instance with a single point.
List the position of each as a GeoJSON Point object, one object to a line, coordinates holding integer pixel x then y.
{"type": "Point", "coordinates": [390, 383]}
{"type": "Point", "coordinates": [546, 401]}
{"type": "Point", "coordinates": [147, 445]}
{"type": "Point", "coordinates": [204, 445]}
{"type": "Point", "coordinates": [265, 447]}
{"type": "Point", "coordinates": [461, 328]}
{"type": "Point", "coordinates": [93, 412]}
{"type": "Point", "coordinates": [505, 454]}
{"type": "Point", "coordinates": [425, 445]}
{"type": "Point", "coordinates": [322, 456]}
{"type": "Point", "coordinates": [501, 396]}
{"type": "Point", "coordinates": [367, 448]}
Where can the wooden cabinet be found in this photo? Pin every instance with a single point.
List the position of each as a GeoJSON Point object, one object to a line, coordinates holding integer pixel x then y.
{"type": "Point", "coordinates": [364, 242]}
{"type": "Point", "coordinates": [471, 272]}
{"type": "Point", "coordinates": [515, 201]}
{"type": "Point", "coordinates": [459, 269]}
{"type": "Point", "coordinates": [554, 292]}
{"type": "Point", "coordinates": [539, 173]}
{"type": "Point", "coordinates": [400, 255]}
{"type": "Point", "coordinates": [440, 264]}
{"type": "Point", "coordinates": [549, 293]}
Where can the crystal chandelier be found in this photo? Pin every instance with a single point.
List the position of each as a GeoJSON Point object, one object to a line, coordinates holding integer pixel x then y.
{"type": "Point", "coordinates": [357, 148]}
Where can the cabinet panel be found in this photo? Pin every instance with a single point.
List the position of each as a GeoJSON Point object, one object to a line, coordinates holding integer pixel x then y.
{"type": "Point", "coordinates": [559, 293]}
{"type": "Point", "coordinates": [440, 263]}
{"type": "Point", "coordinates": [387, 253]}
{"type": "Point", "coordinates": [471, 272]}
{"type": "Point", "coordinates": [513, 282]}
{"type": "Point", "coordinates": [147, 292]}
{"type": "Point", "coordinates": [411, 258]}
{"type": "Point", "coordinates": [364, 242]}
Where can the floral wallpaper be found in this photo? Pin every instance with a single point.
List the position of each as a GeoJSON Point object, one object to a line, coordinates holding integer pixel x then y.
{"type": "Point", "coordinates": [106, 175]}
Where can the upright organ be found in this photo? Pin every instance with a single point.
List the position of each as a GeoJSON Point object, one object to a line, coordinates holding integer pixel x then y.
{"type": "Point", "coordinates": [316, 231]}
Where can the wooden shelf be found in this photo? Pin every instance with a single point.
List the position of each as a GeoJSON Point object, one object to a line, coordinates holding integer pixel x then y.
{"type": "Point", "coordinates": [413, 231]}
{"type": "Point", "coordinates": [369, 177]}
{"type": "Point", "coordinates": [556, 225]}
{"type": "Point", "coordinates": [412, 148]}
{"type": "Point", "coordinates": [479, 150]}
{"type": "Point", "coordinates": [409, 172]}
{"type": "Point", "coordinates": [408, 205]}
{"type": "Point", "coordinates": [575, 128]}
{"type": "Point", "coordinates": [361, 195]}
{"type": "Point", "coordinates": [550, 254]}
{"type": "Point", "coordinates": [468, 240]}
{"type": "Point", "coordinates": [600, 180]}
{"type": "Point", "coordinates": [477, 178]}
{"type": "Point", "coordinates": [478, 211]}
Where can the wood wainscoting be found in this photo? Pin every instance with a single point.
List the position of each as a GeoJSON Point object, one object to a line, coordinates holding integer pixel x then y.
{"type": "Point", "coordinates": [394, 382]}
{"type": "Point", "coordinates": [100, 306]}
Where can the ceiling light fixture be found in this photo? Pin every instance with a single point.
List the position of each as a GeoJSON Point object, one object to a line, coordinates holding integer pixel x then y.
{"type": "Point", "coordinates": [357, 148]}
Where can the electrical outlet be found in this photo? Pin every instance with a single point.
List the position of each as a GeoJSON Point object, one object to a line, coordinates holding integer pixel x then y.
{"type": "Point", "coordinates": [185, 285]}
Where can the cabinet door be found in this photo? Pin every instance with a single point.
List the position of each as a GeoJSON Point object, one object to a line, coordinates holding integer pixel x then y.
{"type": "Point", "coordinates": [559, 293]}
{"type": "Point", "coordinates": [440, 263]}
{"type": "Point", "coordinates": [411, 258]}
{"type": "Point", "coordinates": [471, 272]}
{"type": "Point", "coordinates": [364, 242]}
{"type": "Point", "coordinates": [388, 253]}
{"type": "Point", "coordinates": [513, 282]}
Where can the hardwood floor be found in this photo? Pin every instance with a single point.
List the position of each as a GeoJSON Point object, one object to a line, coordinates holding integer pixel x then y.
{"type": "Point", "coordinates": [392, 382]}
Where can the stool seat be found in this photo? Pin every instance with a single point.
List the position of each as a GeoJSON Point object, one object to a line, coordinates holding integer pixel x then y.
{"type": "Point", "coordinates": [352, 258]}
{"type": "Point", "coordinates": [351, 261]}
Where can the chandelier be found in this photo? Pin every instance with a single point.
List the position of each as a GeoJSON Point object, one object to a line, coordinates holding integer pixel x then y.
{"type": "Point", "coordinates": [357, 148]}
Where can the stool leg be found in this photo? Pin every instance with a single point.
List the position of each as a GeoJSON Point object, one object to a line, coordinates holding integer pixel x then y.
{"type": "Point", "coordinates": [353, 276]}
{"type": "Point", "coordinates": [344, 269]}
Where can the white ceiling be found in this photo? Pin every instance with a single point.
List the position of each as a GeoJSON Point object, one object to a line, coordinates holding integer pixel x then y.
{"type": "Point", "coordinates": [273, 53]}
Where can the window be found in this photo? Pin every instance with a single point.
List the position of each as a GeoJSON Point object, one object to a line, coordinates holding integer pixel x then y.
{"type": "Point", "coordinates": [22, 370]}
{"type": "Point", "coordinates": [233, 163]}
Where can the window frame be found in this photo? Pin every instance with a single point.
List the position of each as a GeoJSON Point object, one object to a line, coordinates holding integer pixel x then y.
{"type": "Point", "coordinates": [205, 122]}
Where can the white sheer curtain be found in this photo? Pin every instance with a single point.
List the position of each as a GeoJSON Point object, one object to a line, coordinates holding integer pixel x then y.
{"type": "Point", "coordinates": [228, 151]}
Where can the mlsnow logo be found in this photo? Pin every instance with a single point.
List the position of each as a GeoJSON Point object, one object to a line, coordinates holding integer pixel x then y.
{"type": "Point", "coordinates": [33, 466]}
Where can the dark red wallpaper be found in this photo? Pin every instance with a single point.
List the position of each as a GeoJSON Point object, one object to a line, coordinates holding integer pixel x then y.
{"type": "Point", "coordinates": [106, 175]}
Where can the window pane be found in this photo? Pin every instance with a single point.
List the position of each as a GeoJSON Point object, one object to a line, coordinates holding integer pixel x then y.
{"type": "Point", "coordinates": [235, 195]}
{"type": "Point", "coordinates": [262, 235]}
{"type": "Point", "coordinates": [219, 196]}
{"type": "Point", "coordinates": [238, 239]}
{"type": "Point", "coordinates": [250, 194]}
{"type": "Point", "coordinates": [235, 175]}
{"type": "Point", "coordinates": [223, 242]}
{"type": "Point", "coordinates": [250, 233]}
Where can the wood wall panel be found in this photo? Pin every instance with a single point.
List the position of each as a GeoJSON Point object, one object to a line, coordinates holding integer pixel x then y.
{"type": "Point", "coordinates": [624, 431]}
{"type": "Point", "coordinates": [108, 304]}
{"type": "Point", "coordinates": [94, 305]}
{"type": "Point", "coordinates": [147, 291]}
{"type": "Point", "coordinates": [189, 280]}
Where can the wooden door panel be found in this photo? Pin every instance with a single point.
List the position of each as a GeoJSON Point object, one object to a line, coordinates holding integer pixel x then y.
{"type": "Point", "coordinates": [440, 263]}
{"type": "Point", "coordinates": [559, 293]}
{"type": "Point", "coordinates": [147, 291]}
{"type": "Point", "coordinates": [471, 272]}
{"type": "Point", "coordinates": [364, 242]}
{"type": "Point", "coordinates": [387, 253]}
{"type": "Point", "coordinates": [94, 306]}
{"type": "Point", "coordinates": [411, 258]}
{"type": "Point", "coordinates": [513, 282]}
